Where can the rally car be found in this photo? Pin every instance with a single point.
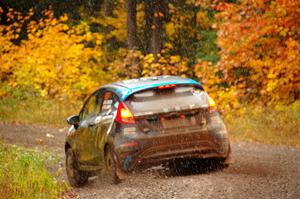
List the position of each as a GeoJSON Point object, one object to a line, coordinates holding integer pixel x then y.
{"type": "Point", "coordinates": [134, 123]}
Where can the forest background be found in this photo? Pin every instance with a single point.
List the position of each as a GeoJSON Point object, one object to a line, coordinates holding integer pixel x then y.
{"type": "Point", "coordinates": [245, 52]}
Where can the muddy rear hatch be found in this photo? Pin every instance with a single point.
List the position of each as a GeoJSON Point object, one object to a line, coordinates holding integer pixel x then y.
{"type": "Point", "coordinates": [173, 123]}
{"type": "Point", "coordinates": [164, 110]}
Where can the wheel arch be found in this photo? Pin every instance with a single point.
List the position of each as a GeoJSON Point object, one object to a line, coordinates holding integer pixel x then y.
{"type": "Point", "coordinates": [106, 147]}
{"type": "Point", "coordinates": [67, 146]}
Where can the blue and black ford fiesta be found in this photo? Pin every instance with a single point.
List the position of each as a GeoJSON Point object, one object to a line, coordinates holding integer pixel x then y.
{"type": "Point", "coordinates": [139, 122]}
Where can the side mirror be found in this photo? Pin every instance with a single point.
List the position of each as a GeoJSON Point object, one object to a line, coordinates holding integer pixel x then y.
{"type": "Point", "coordinates": [73, 120]}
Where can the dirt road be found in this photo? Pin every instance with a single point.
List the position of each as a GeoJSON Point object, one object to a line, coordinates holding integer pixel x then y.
{"type": "Point", "coordinates": [259, 171]}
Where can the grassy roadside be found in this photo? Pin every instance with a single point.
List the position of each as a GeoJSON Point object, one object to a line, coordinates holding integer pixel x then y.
{"type": "Point", "coordinates": [36, 111]}
{"type": "Point", "coordinates": [279, 125]}
{"type": "Point", "coordinates": [24, 174]}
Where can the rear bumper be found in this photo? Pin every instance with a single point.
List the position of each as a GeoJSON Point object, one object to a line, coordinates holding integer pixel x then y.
{"type": "Point", "coordinates": [199, 150]}
{"type": "Point", "coordinates": [159, 149]}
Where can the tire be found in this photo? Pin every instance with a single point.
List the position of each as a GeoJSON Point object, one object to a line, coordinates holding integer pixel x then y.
{"type": "Point", "coordinates": [76, 177]}
{"type": "Point", "coordinates": [228, 160]}
{"type": "Point", "coordinates": [179, 167]}
{"type": "Point", "coordinates": [111, 166]}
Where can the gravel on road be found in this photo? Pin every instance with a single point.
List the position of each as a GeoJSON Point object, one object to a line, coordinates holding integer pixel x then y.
{"type": "Point", "coordinates": [258, 171]}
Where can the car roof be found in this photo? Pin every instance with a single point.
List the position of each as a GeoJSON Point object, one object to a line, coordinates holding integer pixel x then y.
{"type": "Point", "coordinates": [127, 87]}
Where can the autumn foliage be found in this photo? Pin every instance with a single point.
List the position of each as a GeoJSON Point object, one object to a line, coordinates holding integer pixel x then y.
{"type": "Point", "coordinates": [56, 60]}
{"type": "Point", "coordinates": [242, 51]}
{"type": "Point", "coordinates": [259, 57]}
{"type": "Point", "coordinates": [260, 48]}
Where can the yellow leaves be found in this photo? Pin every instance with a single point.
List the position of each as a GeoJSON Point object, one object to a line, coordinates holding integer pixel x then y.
{"type": "Point", "coordinates": [149, 58]}
{"type": "Point", "coordinates": [272, 85]}
{"type": "Point", "coordinates": [265, 45]}
{"type": "Point", "coordinates": [283, 32]}
{"type": "Point", "coordinates": [292, 43]}
{"type": "Point", "coordinates": [166, 65]}
{"type": "Point", "coordinates": [202, 19]}
{"type": "Point", "coordinates": [117, 24]}
{"type": "Point", "coordinates": [31, 12]}
{"type": "Point", "coordinates": [168, 46]}
{"type": "Point", "coordinates": [174, 59]}
{"type": "Point", "coordinates": [205, 71]}
{"type": "Point", "coordinates": [88, 36]}
{"type": "Point", "coordinates": [133, 64]}
{"type": "Point", "coordinates": [170, 30]}
{"type": "Point", "coordinates": [272, 75]}
{"type": "Point", "coordinates": [98, 38]}
{"type": "Point", "coordinates": [55, 60]}
{"type": "Point", "coordinates": [190, 2]}
{"type": "Point", "coordinates": [256, 63]}
{"type": "Point", "coordinates": [64, 27]}
{"type": "Point", "coordinates": [43, 93]}
{"type": "Point", "coordinates": [226, 99]}
{"type": "Point", "coordinates": [64, 18]}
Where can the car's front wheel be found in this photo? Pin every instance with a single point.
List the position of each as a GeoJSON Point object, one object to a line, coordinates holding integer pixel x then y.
{"type": "Point", "coordinates": [76, 177]}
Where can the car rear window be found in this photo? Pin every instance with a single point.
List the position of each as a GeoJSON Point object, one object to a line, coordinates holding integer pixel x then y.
{"type": "Point", "coordinates": [167, 100]}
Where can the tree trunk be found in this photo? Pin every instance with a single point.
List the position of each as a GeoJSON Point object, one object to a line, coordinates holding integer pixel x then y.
{"type": "Point", "coordinates": [149, 21]}
{"type": "Point", "coordinates": [132, 41]}
{"type": "Point", "coordinates": [108, 7]}
{"type": "Point", "coordinates": [154, 17]}
{"type": "Point", "coordinates": [95, 7]}
{"type": "Point", "coordinates": [131, 24]}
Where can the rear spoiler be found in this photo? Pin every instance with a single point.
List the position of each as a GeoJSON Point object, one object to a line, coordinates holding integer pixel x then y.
{"type": "Point", "coordinates": [198, 85]}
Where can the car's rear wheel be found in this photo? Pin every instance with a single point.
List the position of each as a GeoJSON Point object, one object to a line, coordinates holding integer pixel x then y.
{"type": "Point", "coordinates": [228, 159]}
{"type": "Point", "coordinates": [76, 177]}
{"type": "Point", "coordinates": [111, 166]}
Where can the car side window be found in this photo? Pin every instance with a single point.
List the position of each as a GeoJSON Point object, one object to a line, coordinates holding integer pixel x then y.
{"type": "Point", "coordinates": [109, 102]}
{"type": "Point", "coordinates": [92, 107]}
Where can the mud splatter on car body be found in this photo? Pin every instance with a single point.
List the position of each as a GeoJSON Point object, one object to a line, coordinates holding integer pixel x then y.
{"type": "Point", "coordinates": [147, 121]}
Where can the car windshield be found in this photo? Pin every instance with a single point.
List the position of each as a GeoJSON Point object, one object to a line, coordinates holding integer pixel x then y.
{"type": "Point", "coordinates": [166, 100]}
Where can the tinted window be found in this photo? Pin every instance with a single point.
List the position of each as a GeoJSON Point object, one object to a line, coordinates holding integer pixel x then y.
{"type": "Point", "coordinates": [92, 107]}
{"type": "Point", "coordinates": [166, 100]}
{"type": "Point", "coordinates": [110, 102]}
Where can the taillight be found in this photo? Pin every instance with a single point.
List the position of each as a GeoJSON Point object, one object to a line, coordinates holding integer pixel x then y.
{"type": "Point", "coordinates": [212, 105]}
{"type": "Point", "coordinates": [167, 86]}
{"type": "Point", "coordinates": [124, 115]}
